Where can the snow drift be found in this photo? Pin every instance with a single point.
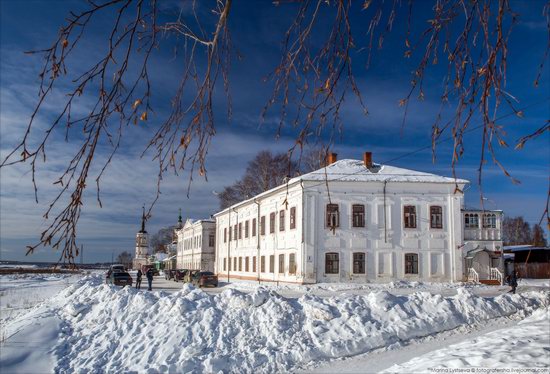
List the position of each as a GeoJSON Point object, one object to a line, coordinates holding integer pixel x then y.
{"type": "Point", "coordinates": [103, 328]}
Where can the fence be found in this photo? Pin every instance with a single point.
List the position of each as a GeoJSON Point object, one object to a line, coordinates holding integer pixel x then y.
{"type": "Point", "coordinates": [538, 270]}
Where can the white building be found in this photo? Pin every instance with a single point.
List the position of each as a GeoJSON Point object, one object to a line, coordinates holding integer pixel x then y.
{"type": "Point", "coordinates": [196, 245]}
{"type": "Point", "coordinates": [483, 250]}
{"type": "Point", "coordinates": [352, 221]}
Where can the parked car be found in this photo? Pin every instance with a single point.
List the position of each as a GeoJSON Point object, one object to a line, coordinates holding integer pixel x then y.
{"type": "Point", "coordinates": [205, 278]}
{"type": "Point", "coordinates": [188, 277]}
{"type": "Point", "coordinates": [115, 268]}
{"type": "Point", "coordinates": [120, 278]}
{"type": "Point", "coordinates": [179, 274]}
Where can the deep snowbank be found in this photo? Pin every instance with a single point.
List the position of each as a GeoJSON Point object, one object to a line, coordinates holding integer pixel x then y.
{"type": "Point", "coordinates": [522, 346]}
{"type": "Point", "coordinates": [103, 328]}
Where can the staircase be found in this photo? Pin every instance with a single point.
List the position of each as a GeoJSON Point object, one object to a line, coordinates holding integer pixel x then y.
{"type": "Point", "coordinates": [490, 282]}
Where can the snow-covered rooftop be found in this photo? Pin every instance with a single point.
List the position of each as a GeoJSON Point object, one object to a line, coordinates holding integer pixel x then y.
{"type": "Point", "coordinates": [348, 170]}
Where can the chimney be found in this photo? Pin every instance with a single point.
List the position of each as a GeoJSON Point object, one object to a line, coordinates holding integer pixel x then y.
{"type": "Point", "coordinates": [332, 158]}
{"type": "Point", "coordinates": [367, 159]}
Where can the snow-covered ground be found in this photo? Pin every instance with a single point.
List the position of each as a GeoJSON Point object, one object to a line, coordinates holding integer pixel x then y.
{"type": "Point", "coordinates": [19, 292]}
{"type": "Point", "coordinates": [93, 327]}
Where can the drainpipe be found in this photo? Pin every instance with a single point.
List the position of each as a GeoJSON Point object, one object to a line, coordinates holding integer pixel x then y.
{"type": "Point", "coordinates": [302, 213]}
{"type": "Point", "coordinates": [385, 214]}
{"type": "Point", "coordinates": [228, 243]}
{"type": "Point", "coordinates": [236, 236]}
{"type": "Point", "coordinates": [258, 237]}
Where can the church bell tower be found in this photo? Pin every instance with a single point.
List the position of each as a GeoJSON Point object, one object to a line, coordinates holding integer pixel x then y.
{"type": "Point", "coordinates": [142, 240]}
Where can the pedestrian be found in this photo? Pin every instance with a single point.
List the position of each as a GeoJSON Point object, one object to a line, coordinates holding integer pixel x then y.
{"type": "Point", "coordinates": [138, 279]}
{"type": "Point", "coordinates": [149, 275]}
{"type": "Point", "coordinates": [513, 282]}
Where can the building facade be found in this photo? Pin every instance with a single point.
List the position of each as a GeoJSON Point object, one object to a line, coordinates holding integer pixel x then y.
{"type": "Point", "coordinates": [196, 245]}
{"type": "Point", "coordinates": [353, 221]}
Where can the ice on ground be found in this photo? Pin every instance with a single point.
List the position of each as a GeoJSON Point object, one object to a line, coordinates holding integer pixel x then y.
{"type": "Point", "coordinates": [102, 328]}
{"type": "Point", "coordinates": [526, 345]}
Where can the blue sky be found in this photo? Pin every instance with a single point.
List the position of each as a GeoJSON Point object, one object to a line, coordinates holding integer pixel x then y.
{"type": "Point", "coordinates": [256, 32]}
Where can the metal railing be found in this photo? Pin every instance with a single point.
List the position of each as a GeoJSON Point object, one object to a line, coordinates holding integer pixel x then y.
{"type": "Point", "coordinates": [473, 276]}
{"type": "Point", "coordinates": [495, 274]}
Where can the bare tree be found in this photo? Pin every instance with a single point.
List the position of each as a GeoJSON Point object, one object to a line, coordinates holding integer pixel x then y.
{"type": "Point", "coordinates": [516, 231]}
{"type": "Point", "coordinates": [263, 173]}
{"type": "Point", "coordinates": [539, 238]}
{"type": "Point", "coordinates": [125, 258]}
{"type": "Point", "coordinates": [161, 238]}
{"type": "Point", "coordinates": [311, 82]}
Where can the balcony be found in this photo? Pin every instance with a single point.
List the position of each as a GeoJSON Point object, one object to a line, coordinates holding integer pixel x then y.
{"type": "Point", "coordinates": [486, 234]}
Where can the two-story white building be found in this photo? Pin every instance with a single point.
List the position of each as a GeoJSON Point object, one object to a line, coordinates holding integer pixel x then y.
{"type": "Point", "coordinates": [351, 221]}
{"type": "Point", "coordinates": [196, 245]}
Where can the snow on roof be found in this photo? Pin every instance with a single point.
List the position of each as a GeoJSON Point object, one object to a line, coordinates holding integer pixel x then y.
{"type": "Point", "coordinates": [348, 170]}
{"type": "Point", "coordinates": [528, 248]}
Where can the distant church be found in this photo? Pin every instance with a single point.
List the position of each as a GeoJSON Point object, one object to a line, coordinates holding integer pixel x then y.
{"type": "Point", "coordinates": [142, 245]}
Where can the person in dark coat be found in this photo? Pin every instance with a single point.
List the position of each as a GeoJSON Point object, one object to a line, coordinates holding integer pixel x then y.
{"type": "Point", "coordinates": [513, 281]}
{"type": "Point", "coordinates": [149, 275]}
{"type": "Point", "coordinates": [138, 279]}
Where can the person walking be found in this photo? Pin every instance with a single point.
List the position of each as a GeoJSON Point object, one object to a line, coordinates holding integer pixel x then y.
{"type": "Point", "coordinates": [149, 275]}
{"type": "Point", "coordinates": [138, 279]}
{"type": "Point", "coordinates": [513, 281]}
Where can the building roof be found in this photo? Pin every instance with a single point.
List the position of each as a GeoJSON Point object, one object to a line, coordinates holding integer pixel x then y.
{"type": "Point", "coordinates": [349, 170]}
{"type": "Point", "coordinates": [521, 248]}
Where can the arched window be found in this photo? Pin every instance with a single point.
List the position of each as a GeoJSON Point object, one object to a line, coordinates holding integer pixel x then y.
{"type": "Point", "coordinates": [471, 221]}
{"type": "Point", "coordinates": [332, 263]}
{"type": "Point", "coordinates": [489, 220]}
{"type": "Point", "coordinates": [411, 263]}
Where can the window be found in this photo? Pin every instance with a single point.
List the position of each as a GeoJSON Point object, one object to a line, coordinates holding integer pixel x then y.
{"type": "Point", "coordinates": [225, 264]}
{"type": "Point", "coordinates": [411, 263]}
{"type": "Point", "coordinates": [235, 232]}
{"type": "Point", "coordinates": [332, 263]}
{"type": "Point", "coordinates": [254, 264]}
{"type": "Point", "coordinates": [292, 263]}
{"type": "Point", "coordinates": [240, 264]}
{"type": "Point", "coordinates": [436, 217]}
{"type": "Point", "coordinates": [262, 225]}
{"type": "Point", "coordinates": [211, 240]}
{"type": "Point", "coordinates": [246, 268]}
{"type": "Point", "coordinates": [489, 221]}
{"type": "Point", "coordinates": [358, 215]}
{"type": "Point", "coordinates": [262, 264]}
{"type": "Point", "coordinates": [235, 263]}
{"type": "Point", "coordinates": [229, 263]}
{"type": "Point", "coordinates": [293, 217]}
{"type": "Point", "coordinates": [272, 264]}
{"type": "Point", "coordinates": [254, 227]}
{"type": "Point", "coordinates": [225, 235]}
{"type": "Point", "coordinates": [358, 263]}
{"type": "Point", "coordinates": [333, 216]}
{"type": "Point", "coordinates": [409, 217]}
{"type": "Point", "coordinates": [281, 264]}
{"type": "Point", "coordinates": [282, 220]}
{"type": "Point", "coordinates": [240, 230]}
{"type": "Point", "coordinates": [271, 223]}
{"type": "Point", "coordinates": [246, 228]}
{"type": "Point", "coordinates": [230, 238]}
{"type": "Point", "coordinates": [471, 221]}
